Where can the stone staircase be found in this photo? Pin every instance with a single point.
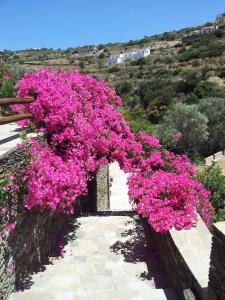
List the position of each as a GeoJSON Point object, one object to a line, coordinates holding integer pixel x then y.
{"type": "Point", "coordinates": [107, 256]}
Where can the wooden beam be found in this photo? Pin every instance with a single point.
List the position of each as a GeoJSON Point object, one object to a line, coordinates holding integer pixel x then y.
{"type": "Point", "coordinates": [6, 101]}
{"type": "Point", "coordinates": [15, 118]}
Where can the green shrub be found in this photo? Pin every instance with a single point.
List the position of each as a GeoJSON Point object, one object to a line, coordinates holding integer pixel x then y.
{"type": "Point", "coordinates": [114, 69]}
{"type": "Point", "coordinates": [214, 181]}
{"type": "Point", "coordinates": [205, 47]}
{"type": "Point", "coordinates": [191, 99]}
{"type": "Point", "coordinates": [214, 109]}
{"type": "Point", "coordinates": [221, 72]}
{"type": "Point", "coordinates": [187, 120]}
{"type": "Point", "coordinates": [123, 88]}
{"type": "Point", "coordinates": [207, 89]}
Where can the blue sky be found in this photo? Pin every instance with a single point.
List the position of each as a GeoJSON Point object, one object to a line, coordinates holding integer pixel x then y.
{"type": "Point", "coordinates": [71, 23]}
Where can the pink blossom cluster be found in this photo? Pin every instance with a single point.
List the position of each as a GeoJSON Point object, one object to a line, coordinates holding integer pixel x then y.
{"type": "Point", "coordinates": [83, 131]}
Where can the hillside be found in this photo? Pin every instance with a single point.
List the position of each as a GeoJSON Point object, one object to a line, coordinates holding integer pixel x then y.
{"type": "Point", "coordinates": [177, 71]}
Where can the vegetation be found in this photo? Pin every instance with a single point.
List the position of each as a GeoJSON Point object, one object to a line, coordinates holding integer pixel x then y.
{"type": "Point", "coordinates": [89, 132]}
{"type": "Point", "coordinates": [214, 181]}
{"type": "Point", "coordinates": [9, 75]}
{"type": "Point", "coordinates": [177, 93]}
{"type": "Point", "coordinates": [192, 125]}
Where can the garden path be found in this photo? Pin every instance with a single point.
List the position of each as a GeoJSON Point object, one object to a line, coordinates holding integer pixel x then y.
{"type": "Point", "coordinates": [106, 257]}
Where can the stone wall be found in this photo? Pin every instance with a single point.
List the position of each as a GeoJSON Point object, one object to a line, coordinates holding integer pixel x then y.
{"type": "Point", "coordinates": [102, 188]}
{"type": "Point", "coordinates": [214, 158]}
{"type": "Point", "coordinates": [10, 161]}
{"type": "Point", "coordinates": [34, 238]}
{"type": "Point", "coordinates": [37, 234]}
{"type": "Point", "coordinates": [186, 255]}
{"type": "Point", "coordinates": [217, 264]}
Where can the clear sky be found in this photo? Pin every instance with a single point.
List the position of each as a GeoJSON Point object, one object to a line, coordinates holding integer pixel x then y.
{"type": "Point", "coordinates": [70, 23]}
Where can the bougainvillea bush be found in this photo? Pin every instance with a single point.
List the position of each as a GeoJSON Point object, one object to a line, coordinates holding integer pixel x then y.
{"type": "Point", "coordinates": [83, 130]}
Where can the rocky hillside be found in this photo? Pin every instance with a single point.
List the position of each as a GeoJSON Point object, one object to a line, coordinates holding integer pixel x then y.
{"type": "Point", "coordinates": [177, 70]}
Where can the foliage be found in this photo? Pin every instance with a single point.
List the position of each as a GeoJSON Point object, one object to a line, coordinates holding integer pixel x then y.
{"type": "Point", "coordinates": [156, 93]}
{"type": "Point", "coordinates": [7, 185]}
{"type": "Point", "coordinates": [214, 110]}
{"type": "Point", "coordinates": [213, 180]}
{"type": "Point", "coordinates": [209, 89]}
{"type": "Point", "coordinates": [9, 75]}
{"type": "Point", "coordinates": [84, 130]}
{"type": "Point", "coordinates": [114, 69]}
{"type": "Point", "coordinates": [123, 88]}
{"type": "Point", "coordinates": [205, 47]}
{"type": "Point", "coordinates": [187, 120]}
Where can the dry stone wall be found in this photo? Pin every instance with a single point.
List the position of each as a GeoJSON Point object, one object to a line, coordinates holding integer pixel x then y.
{"type": "Point", "coordinates": [37, 235]}
{"type": "Point", "coordinates": [186, 258]}
{"type": "Point", "coordinates": [217, 264]}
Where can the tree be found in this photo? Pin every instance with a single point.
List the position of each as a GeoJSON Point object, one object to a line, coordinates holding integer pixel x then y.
{"type": "Point", "coordinates": [214, 110]}
{"type": "Point", "coordinates": [123, 87]}
{"type": "Point", "coordinates": [81, 65]}
{"type": "Point", "coordinates": [209, 89]}
{"type": "Point", "coordinates": [214, 181]}
{"type": "Point", "coordinates": [187, 120]}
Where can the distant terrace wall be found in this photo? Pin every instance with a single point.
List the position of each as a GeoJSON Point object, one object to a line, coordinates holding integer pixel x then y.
{"type": "Point", "coordinates": [214, 158]}
{"type": "Point", "coordinates": [37, 234]}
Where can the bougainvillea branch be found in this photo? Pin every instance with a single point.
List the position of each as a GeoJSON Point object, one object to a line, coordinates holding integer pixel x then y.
{"type": "Point", "coordinates": [83, 131]}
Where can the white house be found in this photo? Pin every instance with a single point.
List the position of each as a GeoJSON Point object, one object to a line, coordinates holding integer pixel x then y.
{"type": "Point", "coordinates": [119, 58]}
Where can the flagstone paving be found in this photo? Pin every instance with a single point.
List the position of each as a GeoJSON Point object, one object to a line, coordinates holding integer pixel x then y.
{"type": "Point", "coordinates": [107, 257]}
{"type": "Point", "coordinates": [118, 189]}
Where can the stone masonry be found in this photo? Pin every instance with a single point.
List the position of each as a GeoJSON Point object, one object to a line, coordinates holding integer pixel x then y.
{"type": "Point", "coordinates": [217, 264]}
{"type": "Point", "coordinates": [37, 233]}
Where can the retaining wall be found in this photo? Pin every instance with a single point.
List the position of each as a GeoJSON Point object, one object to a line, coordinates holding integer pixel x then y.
{"type": "Point", "coordinates": [214, 158]}
{"type": "Point", "coordinates": [37, 234]}
{"type": "Point", "coordinates": [186, 257]}
{"type": "Point", "coordinates": [217, 264]}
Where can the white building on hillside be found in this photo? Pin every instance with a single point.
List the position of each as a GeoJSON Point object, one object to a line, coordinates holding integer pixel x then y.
{"type": "Point", "coordinates": [119, 58]}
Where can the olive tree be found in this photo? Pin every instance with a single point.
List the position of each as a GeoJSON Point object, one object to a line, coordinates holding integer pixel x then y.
{"type": "Point", "coordinates": [189, 122]}
{"type": "Point", "coordinates": [214, 110]}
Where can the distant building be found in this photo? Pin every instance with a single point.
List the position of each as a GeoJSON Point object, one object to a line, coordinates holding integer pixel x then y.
{"type": "Point", "coordinates": [200, 32]}
{"type": "Point", "coordinates": [221, 18]}
{"type": "Point", "coordinates": [119, 58]}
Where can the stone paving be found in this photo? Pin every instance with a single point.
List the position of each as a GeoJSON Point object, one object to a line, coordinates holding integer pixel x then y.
{"type": "Point", "coordinates": [118, 189]}
{"type": "Point", "coordinates": [106, 257]}
{"type": "Point", "coordinates": [9, 137]}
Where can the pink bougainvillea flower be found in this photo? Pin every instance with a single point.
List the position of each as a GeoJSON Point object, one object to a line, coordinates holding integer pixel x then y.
{"type": "Point", "coordinates": [9, 269]}
{"type": "Point", "coordinates": [6, 76]}
{"type": "Point", "coordinates": [6, 188]}
{"type": "Point", "coordinates": [84, 130]}
{"type": "Point", "coordinates": [10, 227]}
{"type": "Point", "coordinates": [177, 136]}
{"type": "Point", "coordinates": [14, 186]}
{"type": "Point", "coordinates": [4, 210]}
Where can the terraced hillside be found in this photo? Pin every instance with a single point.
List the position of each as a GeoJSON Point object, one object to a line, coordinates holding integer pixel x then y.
{"type": "Point", "coordinates": [177, 71]}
